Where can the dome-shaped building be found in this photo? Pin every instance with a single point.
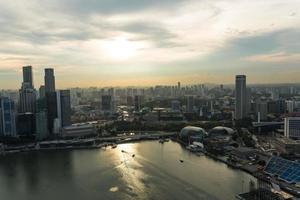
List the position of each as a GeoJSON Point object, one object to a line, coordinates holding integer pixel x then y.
{"type": "Point", "coordinates": [221, 131]}
{"type": "Point", "coordinates": [190, 134]}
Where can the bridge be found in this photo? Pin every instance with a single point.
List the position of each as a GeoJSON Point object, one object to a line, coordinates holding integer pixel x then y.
{"type": "Point", "coordinates": [263, 124]}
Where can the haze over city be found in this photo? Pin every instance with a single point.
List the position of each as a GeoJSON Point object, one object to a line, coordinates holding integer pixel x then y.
{"type": "Point", "coordinates": [137, 42]}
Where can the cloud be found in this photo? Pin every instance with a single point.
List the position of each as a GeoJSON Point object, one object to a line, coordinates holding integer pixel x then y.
{"type": "Point", "coordinates": [170, 37]}
{"type": "Point", "coordinates": [282, 57]}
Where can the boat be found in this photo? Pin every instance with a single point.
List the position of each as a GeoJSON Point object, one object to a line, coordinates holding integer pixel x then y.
{"type": "Point", "coordinates": [181, 161]}
{"type": "Point", "coordinates": [114, 146]}
{"type": "Point", "coordinates": [133, 155]}
{"type": "Point", "coordinates": [161, 141]}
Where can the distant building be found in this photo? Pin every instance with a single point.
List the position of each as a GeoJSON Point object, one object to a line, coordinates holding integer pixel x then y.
{"type": "Point", "coordinates": [64, 107]}
{"type": "Point", "coordinates": [78, 130]}
{"type": "Point", "coordinates": [290, 105]}
{"type": "Point", "coordinates": [107, 104]}
{"type": "Point", "coordinates": [49, 80]}
{"type": "Point", "coordinates": [26, 124]}
{"type": "Point", "coordinates": [189, 134]}
{"type": "Point", "coordinates": [7, 118]}
{"type": "Point", "coordinates": [281, 106]}
{"type": "Point", "coordinates": [41, 125]}
{"type": "Point", "coordinates": [27, 76]}
{"type": "Point", "coordinates": [240, 97]}
{"type": "Point", "coordinates": [262, 110]}
{"type": "Point", "coordinates": [58, 110]}
{"type": "Point", "coordinates": [190, 103]}
{"type": "Point", "coordinates": [51, 103]}
{"type": "Point", "coordinates": [292, 127]}
{"type": "Point", "coordinates": [42, 93]}
{"type": "Point", "coordinates": [175, 105]}
{"type": "Point", "coordinates": [27, 100]}
{"type": "Point", "coordinates": [27, 93]}
{"type": "Point", "coordinates": [138, 101]}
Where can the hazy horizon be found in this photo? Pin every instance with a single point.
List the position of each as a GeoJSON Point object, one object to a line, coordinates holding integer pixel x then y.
{"type": "Point", "coordinates": [142, 43]}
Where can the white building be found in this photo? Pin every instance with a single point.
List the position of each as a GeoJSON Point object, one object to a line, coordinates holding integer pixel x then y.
{"type": "Point", "coordinates": [292, 127]}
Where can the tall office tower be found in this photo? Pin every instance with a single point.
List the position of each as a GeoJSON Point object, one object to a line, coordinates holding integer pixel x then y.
{"type": "Point", "coordinates": [240, 97]}
{"type": "Point", "coordinates": [27, 93]}
{"type": "Point", "coordinates": [49, 80]}
{"type": "Point", "coordinates": [190, 104]}
{"type": "Point", "coordinates": [42, 93]}
{"type": "Point", "coordinates": [138, 101]}
{"type": "Point", "coordinates": [7, 118]}
{"type": "Point", "coordinates": [27, 76]}
{"type": "Point", "coordinates": [58, 110]}
{"type": "Point", "coordinates": [51, 103]}
{"type": "Point", "coordinates": [64, 107]}
{"type": "Point", "coordinates": [41, 125]}
{"type": "Point", "coordinates": [107, 104]}
{"type": "Point", "coordinates": [292, 127]}
{"type": "Point", "coordinates": [27, 100]}
{"type": "Point", "coordinates": [26, 124]}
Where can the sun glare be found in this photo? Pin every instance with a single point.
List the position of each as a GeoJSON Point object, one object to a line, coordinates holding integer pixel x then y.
{"type": "Point", "coordinates": [121, 48]}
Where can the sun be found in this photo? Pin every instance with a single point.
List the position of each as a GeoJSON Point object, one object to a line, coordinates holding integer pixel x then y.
{"type": "Point", "coordinates": [121, 48]}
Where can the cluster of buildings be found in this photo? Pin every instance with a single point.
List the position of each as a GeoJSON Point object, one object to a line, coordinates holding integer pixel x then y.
{"type": "Point", "coordinates": [35, 114]}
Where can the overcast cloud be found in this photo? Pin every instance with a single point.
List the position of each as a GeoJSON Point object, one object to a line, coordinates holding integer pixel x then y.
{"type": "Point", "coordinates": [111, 42]}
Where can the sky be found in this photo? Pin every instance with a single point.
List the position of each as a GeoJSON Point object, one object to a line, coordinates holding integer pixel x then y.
{"type": "Point", "coordinates": [149, 42]}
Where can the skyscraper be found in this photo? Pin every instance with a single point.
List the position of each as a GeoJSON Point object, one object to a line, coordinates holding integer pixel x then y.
{"type": "Point", "coordinates": [64, 107]}
{"type": "Point", "coordinates": [240, 97]}
{"type": "Point", "coordinates": [190, 103]}
{"type": "Point", "coordinates": [42, 94]}
{"type": "Point", "coordinates": [7, 118]}
{"type": "Point", "coordinates": [41, 125]}
{"type": "Point", "coordinates": [27, 76]}
{"type": "Point", "coordinates": [27, 93]}
{"type": "Point", "coordinates": [49, 80]}
{"type": "Point", "coordinates": [51, 103]}
{"type": "Point", "coordinates": [107, 104]}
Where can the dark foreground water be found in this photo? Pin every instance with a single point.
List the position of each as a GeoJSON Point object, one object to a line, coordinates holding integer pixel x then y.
{"type": "Point", "coordinates": [153, 173]}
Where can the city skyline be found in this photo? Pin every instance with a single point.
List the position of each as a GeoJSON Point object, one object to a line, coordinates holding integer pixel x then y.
{"type": "Point", "coordinates": [146, 43]}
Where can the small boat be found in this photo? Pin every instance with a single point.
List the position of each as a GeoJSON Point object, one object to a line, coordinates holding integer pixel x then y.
{"type": "Point", "coordinates": [181, 161]}
{"type": "Point", "coordinates": [122, 151]}
{"type": "Point", "coordinates": [133, 155]}
{"type": "Point", "coordinates": [114, 146]}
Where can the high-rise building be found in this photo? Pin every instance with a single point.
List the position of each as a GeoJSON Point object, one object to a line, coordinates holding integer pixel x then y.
{"type": "Point", "coordinates": [27, 100]}
{"type": "Point", "coordinates": [262, 110]}
{"type": "Point", "coordinates": [64, 107]}
{"type": "Point", "coordinates": [49, 80]}
{"type": "Point", "coordinates": [292, 127]}
{"type": "Point", "coordinates": [41, 125]}
{"type": "Point", "coordinates": [240, 97]}
{"type": "Point", "coordinates": [27, 93]}
{"type": "Point", "coordinates": [26, 124]}
{"type": "Point", "coordinates": [27, 76]}
{"type": "Point", "coordinates": [190, 104]}
{"type": "Point", "coordinates": [107, 104]}
{"type": "Point", "coordinates": [51, 103]}
{"type": "Point", "coordinates": [175, 105]}
{"type": "Point", "coordinates": [42, 93]}
{"type": "Point", "coordinates": [7, 118]}
{"type": "Point", "coordinates": [58, 110]}
{"type": "Point", "coordinates": [138, 101]}
{"type": "Point", "coordinates": [290, 105]}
